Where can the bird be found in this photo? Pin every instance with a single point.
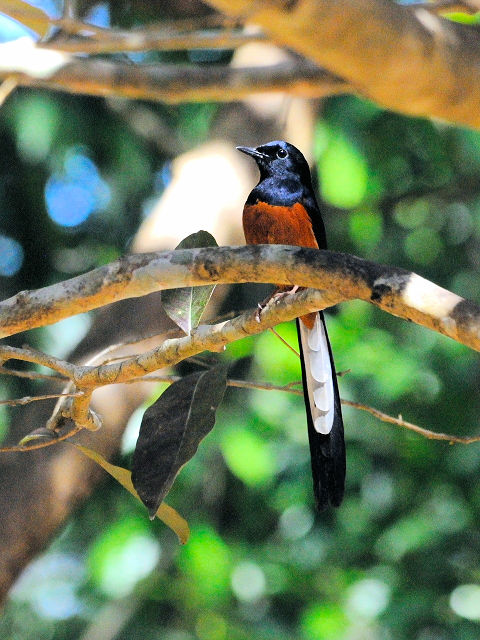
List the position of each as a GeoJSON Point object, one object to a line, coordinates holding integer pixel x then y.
{"type": "Point", "coordinates": [282, 209]}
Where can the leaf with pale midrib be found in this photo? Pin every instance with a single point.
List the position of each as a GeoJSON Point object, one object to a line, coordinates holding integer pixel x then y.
{"type": "Point", "coordinates": [186, 305]}
{"type": "Point", "coordinates": [171, 430]}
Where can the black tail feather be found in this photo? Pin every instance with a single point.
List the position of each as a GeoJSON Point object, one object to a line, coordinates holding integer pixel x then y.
{"type": "Point", "coordinates": [327, 452]}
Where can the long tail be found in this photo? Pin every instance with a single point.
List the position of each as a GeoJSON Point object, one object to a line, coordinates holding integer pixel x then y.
{"type": "Point", "coordinates": [324, 413]}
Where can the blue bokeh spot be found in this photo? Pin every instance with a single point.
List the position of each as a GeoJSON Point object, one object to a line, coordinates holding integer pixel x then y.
{"type": "Point", "coordinates": [76, 192]}
{"type": "Point", "coordinates": [11, 256]}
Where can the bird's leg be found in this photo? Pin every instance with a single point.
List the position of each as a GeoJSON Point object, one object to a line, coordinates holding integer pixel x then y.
{"type": "Point", "coordinates": [289, 292]}
{"type": "Point", "coordinates": [276, 295]}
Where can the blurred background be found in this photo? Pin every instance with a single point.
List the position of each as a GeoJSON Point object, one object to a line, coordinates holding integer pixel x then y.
{"type": "Point", "coordinates": [84, 180]}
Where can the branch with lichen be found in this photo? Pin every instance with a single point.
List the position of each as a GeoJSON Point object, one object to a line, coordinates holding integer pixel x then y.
{"type": "Point", "coordinates": [336, 277]}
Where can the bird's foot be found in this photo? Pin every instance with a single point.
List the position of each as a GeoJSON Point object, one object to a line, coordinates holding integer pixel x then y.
{"type": "Point", "coordinates": [277, 295]}
{"type": "Point", "coordinates": [281, 294]}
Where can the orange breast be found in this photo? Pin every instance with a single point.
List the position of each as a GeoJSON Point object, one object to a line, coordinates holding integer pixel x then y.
{"type": "Point", "coordinates": [268, 224]}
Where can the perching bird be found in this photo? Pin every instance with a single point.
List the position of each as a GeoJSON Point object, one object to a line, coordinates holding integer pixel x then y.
{"type": "Point", "coordinates": [282, 209]}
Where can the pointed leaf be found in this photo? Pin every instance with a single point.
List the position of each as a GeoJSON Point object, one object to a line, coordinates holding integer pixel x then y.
{"type": "Point", "coordinates": [185, 306]}
{"type": "Point", "coordinates": [167, 514]}
{"type": "Point", "coordinates": [171, 430]}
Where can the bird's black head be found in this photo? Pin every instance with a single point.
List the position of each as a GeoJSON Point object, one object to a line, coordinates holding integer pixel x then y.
{"type": "Point", "coordinates": [278, 159]}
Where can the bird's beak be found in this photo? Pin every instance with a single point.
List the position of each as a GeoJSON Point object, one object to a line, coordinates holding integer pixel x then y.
{"type": "Point", "coordinates": [251, 151]}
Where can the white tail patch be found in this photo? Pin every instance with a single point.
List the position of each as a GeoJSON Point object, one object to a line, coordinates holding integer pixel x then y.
{"type": "Point", "coordinates": [318, 368]}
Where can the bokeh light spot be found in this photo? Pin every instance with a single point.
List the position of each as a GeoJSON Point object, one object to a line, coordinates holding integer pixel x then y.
{"type": "Point", "coordinates": [128, 564]}
{"type": "Point", "coordinates": [368, 598]}
{"type": "Point", "coordinates": [296, 522]}
{"type": "Point", "coordinates": [68, 204]}
{"type": "Point", "coordinates": [411, 214]}
{"type": "Point", "coordinates": [11, 256]}
{"type": "Point", "coordinates": [248, 582]}
{"type": "Point", "coordinates": [37, 119]}
{"type": "Point", "coordinates": [324, 621]}
{"type": "Point", "coordinates": [125, 554]}
{"type": "Point", "coordinates": [465, 601]}
{"type": "Point", "coordinates": [366, 229]}
{"type": "Point", "coordinates": [74, 193]}
{"type": "Point", "coordinates": [248, 456]}
{"type": "Point", "coordinates": [50, 585]}
{"type": "Point", "coordinates": [423, 245]}
{"type": "Point", "coordinates": [206, 559]}
{"type": "Point", "coordinates": [343, 173]}
{"type": "Point", "coordinates": [377, 490]}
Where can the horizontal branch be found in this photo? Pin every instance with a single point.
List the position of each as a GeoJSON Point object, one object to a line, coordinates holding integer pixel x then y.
{"type": "Point", "coordinates": [343, 276]}
{"type": "Point", "coordinates": [290, 388]}
{"type": "Point", "coordinates": [44, 438]}
{"type": "Point", "coordinates": [174, 83]}
{"type": "Point", "coordinates": [160, 39]}
{"type": "Point", "coordinates": [406, 59]}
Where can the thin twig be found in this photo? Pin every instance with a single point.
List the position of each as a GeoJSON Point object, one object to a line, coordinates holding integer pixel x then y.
{"type": "Point", "coordinates": [384, 417]}
{"type": "Point", "coordinates": [150, 40]}
{"type": "Point", "coordinates": [18, 402]}
{"type": "Point", "coordinates": [213, 21]}
{"type": "Point", "coordinates": [265, 386]}
{"type": "Point", "coordinates": [47, 443]}
{"type": "Point", "coordinates": [289, 346]}
{"type": "Point", "coordinates": [400, 422]}
{"type": "Point", "coordinates": [31, 375]}
{"type": "Point", "coordinates": [158, 337]}
{"type": "Point", "coordinates": [173, 83]}
{"type": "Point", "coordinates": [241, 384]}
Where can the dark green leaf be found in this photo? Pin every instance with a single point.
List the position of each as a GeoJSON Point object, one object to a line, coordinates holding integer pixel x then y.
{"type": "Point", "coordinates": [171, 430]}
{"type": "Point", "coordinates": [185, 306]}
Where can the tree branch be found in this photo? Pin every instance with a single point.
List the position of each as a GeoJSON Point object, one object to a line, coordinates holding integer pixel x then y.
{"type": "Point", "coordinates": [407, 60]}
{"type": "Point", "coordinates": [154, 39]}
{"type": "Point", "coordinates": [432, 70]}
{"type": "Point", "coordinates": [172, 83]}
{"type": "Point", "coordinates": [340, 276]}
{"type": "Point", "coordinates": [337, 277]}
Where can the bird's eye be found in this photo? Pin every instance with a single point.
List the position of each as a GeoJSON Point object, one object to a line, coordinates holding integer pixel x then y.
{"type": "Point", "coordinates": [281, 153]}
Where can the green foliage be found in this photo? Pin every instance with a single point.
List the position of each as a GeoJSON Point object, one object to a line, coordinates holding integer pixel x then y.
{"type": "Point", "coordinates": [346, 187]}
{"type": "Point", "coordinates": [121, 556]}
{"type": "Point", "coordinates": [464, 18]}
{"type": "Point", "coordinates": [206, 565]}
{"type": "Point", "coordinates": [324, 622]}
{"type": "Point", "coordinates": [248, 456]}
